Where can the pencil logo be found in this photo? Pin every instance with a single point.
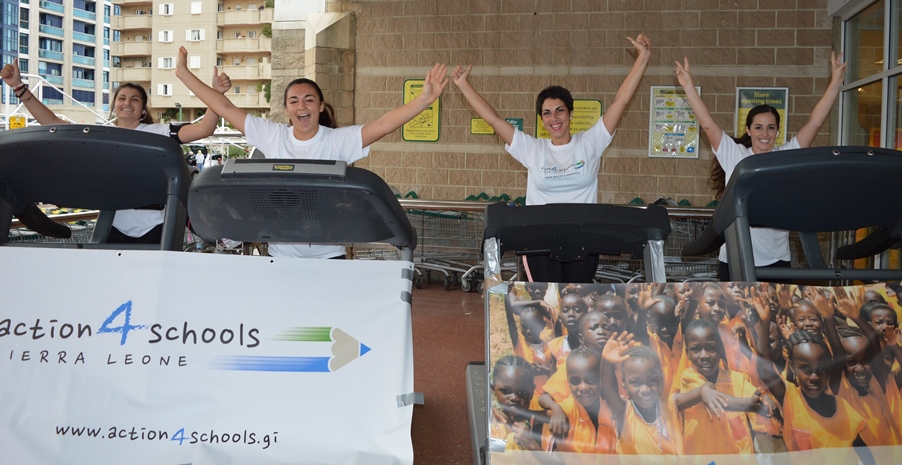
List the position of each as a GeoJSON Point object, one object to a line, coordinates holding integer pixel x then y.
{"type": "Point", "coordinates": [345, 349]}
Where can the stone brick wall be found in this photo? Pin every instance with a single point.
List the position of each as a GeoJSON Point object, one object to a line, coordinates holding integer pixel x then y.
{"type": "Point", "coordinates": [519, 47]}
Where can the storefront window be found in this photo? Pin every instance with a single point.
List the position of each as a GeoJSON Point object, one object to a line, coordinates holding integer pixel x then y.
{"type": "Point", "coordinates": [863, 115]}
{"type": "Point", "coordinates": [864, 36]}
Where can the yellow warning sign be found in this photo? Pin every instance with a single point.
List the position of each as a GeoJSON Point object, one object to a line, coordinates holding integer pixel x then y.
{"type": "Point", "coordinates": [16, 122]}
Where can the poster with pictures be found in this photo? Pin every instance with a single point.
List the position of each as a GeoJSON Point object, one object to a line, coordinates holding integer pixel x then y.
{"type": "Point", "coordinates": [673, 130]}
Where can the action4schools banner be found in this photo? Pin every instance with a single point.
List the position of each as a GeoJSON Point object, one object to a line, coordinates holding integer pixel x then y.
{"type": "Point", "coordinates": [111, 357]}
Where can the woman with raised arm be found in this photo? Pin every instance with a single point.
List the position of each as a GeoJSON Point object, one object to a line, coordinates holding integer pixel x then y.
{"type": "Point", "coordinates": [769, 246]}
{"type": "Point", "coordinates": [565, 168]}
{"type": "Point", "coordinates": [311, 132]}
{"type": "Point", "coordinates": [131, 111]}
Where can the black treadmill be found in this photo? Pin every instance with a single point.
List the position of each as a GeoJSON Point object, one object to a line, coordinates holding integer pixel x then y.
{"type": "Point", "coordinates": [95, 167]}
{"type": "Point", "coordinates": [290, 200]}
{"type": "Point", "coordinates": [822, 189]}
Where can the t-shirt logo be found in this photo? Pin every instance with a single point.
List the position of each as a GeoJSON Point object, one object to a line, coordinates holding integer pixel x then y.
{"type": "Point", "coordinates": [563, 171]}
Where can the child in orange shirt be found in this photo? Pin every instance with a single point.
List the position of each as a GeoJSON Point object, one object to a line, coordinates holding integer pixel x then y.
{"type": "Point", "coordinates": [728, 433]}
{"type": "Point", "coordinates": [813, 417]}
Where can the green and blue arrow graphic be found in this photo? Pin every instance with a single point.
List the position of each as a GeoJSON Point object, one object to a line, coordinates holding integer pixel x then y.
{"type": "Point", "coordinates": [345, 349]}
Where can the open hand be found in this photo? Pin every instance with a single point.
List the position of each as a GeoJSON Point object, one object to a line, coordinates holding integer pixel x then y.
{"type": "Point", "coordinates": [435, 82]}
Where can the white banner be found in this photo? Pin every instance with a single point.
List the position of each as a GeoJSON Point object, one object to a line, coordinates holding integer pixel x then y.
{"type": "Point", "coordinates": [166, 358]}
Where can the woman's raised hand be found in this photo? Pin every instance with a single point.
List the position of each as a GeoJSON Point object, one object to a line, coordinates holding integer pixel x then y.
{"type": "Point", "coordinates": [682, 73]}
{"type": "Point", "coordinates": [221, 81]}
{"type": "Point", "coordinates": [461, 74]}
{"type": "Point", "coordinates": [838, 66]}
{"type": "Point", "coordinates": [642, 44]}
{"type": "Point", "coordinates": [11, 74]}
{"type": "Point", "coordinates": [435, 82]}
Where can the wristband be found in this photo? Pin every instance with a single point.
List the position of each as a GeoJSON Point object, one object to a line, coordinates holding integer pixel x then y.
{"type": "Point", "coordinates": [19, 87]}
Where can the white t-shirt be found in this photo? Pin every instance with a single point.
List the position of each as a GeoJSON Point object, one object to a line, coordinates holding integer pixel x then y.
{"type": "Point", "coordinates": [768, 245]}
{"type": "Point", "coordinates": [277, 140]}
{"type": "Point", "coordinates": [561, 173]}
{"type": "Point", "coordinates": [199, 160]}
{"type": "Point", "coordinates": [136, 223]}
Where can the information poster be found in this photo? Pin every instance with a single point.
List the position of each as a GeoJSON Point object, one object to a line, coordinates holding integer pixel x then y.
{"type": "Point", "coordinates": [425, 126]}
{"type": "Point", "coordinates": [673, 129]}
{"type": "Point", "coordinates": [586, 112]}
{"type": "Point", "coordinates": [750, 97]}
{"type": "Point", "coordinates": [640, 374]}
{"type": "Point", "coordinates": [480, 126]}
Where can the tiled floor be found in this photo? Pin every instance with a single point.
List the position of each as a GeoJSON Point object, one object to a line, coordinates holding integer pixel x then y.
{"type": "Point", "coordinates": [448, 333]}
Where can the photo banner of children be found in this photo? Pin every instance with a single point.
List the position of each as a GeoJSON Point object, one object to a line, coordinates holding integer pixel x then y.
{"type": "Point", "coordinates": [695, 372]}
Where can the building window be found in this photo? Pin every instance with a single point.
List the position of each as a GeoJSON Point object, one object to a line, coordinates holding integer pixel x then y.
{"type": "Point", "coordinates": [194, 35]}
{"type": "Point", "coordinates": [196, 8]}
{"type": "Point", "coordinates": [164, 89]}
{"type": "Point", "coordinates": [218, 35]}
{"type": "Point", "coordinates": [194, 62]}
{"type": "Point", "coordinates": [252, 34]}
{"type": "Point", "coordinates": [219, 61]}
{"type": "Point", "coordinates": [871, 112]}
{"type": "Point", "coordinates": [166, 63]}
{"type": "Point", "coordinates": [166, 36]}
{"type": "Point", "coordinates": [166, 9]}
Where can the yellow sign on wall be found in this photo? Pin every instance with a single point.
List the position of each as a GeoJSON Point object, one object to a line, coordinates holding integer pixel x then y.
{"type": "Point", "coordinates": [16, 122]}
{"type": "Point", "coordinates": [586, 112]}
{"type": "Point", "coordinates": [425, 126]}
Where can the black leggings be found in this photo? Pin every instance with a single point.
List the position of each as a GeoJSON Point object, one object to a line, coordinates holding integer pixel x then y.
{"type": "Point", "coordinates": [545, 270]}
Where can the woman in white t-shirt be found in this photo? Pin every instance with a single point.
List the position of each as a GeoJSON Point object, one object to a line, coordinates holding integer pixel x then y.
{"type": "Point", "coordinates": [130, 109]}
{"type": "Point", "coordinates": [563, 169]}
{"type": "Point", "coordinates": [311, 132]}
{"type": "Point", "coordinates": [769, 246]}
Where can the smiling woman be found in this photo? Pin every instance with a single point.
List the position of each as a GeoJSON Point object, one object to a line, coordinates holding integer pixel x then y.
{"type": "Point", "coordinates": [131, 112]}
{"type": "Point", "coordinates": [769, 246]}
{"type": "Point", "coordinates": [311, 132]}
{"type": "Point", "coordinates": [565, 168]}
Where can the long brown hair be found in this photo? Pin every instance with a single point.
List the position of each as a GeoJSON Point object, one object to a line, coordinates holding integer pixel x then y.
{"type": "Point", "coordinates": [718, 179]}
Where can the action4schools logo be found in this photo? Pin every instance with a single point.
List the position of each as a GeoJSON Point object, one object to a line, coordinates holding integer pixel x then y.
{"type": "Point", "coordinates": [120, 325]}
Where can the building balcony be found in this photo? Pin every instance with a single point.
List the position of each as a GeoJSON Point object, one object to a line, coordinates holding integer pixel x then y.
{"type": "Point", "coordinates": [53, 79]}
{"type": "Point", "coordinates": [81, 36]}
{"type": "Point", "coordinates": [52, 30]}
{"type": "Point", "coordinates": [57, 7]}
{"type": "Point", "coordinates": [83, 60]}
{"type": "Point", "coordinates": [257, 100]}
{"type": "Point", "coordinates": [50, 54]}
{"type": "Point", "coordinates": [260, 71]}
{"type": "Point", "coordinates": [123, 23]}
{"type": "Point", "coordinates": [244, 17]}
{"type": "Point", "coordinates": [132, 74]}
{"type": "Point", "coordinates": [132, 49]}
{"type": "Point", "coordinates": [84, 14]}
{"type": "Point", "coordinates": [85, 83]}
{"type": "Point", "coordinates": [132, 2]}
{"type": "Point", "coordinates": [244, 45]}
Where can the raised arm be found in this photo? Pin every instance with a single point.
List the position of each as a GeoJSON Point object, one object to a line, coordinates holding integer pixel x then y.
{"type": "Point", "coordinates": [213, 99]}
{"type": "Point", "coordinates": [484, 109]}
{"type": "Point", "coordinates": [612, 115]}
{"type": "Point", "coordinates": [819, 114]}
{"type": "Point", "coordinates": [433, 87]}
{"type": "Point", "coordinates": [765, 365]}
{"type": "Point", "coordinates": [13, 78]}
{"type": "Point", "coordinates": [611, 356]}
{"type": "Point", "coordinates": [207, 125]}
{"type": "Point", "coordinates": [702, 115]}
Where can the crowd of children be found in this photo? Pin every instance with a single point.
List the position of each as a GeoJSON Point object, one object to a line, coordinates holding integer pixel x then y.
{"type": "Point", "coordinates": [699, 369]}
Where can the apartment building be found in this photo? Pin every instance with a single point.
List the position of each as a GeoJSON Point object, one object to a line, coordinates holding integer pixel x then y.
{"type": "Point", "coordinates": [232, 35]}
{"type": "Point", "coordinates": [67, 43]}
